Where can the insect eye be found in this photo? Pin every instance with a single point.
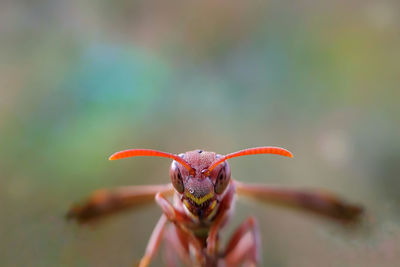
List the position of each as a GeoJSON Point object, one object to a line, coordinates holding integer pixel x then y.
{"type": "Point", "coordinates": [221, 182]}
{"type": "Point", "coordinates": [176, 179]}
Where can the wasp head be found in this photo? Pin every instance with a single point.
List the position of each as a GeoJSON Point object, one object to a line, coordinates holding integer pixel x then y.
{"type": "Point", "coordinates": [200, 190]}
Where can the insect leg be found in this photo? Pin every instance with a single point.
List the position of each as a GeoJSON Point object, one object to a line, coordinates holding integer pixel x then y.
{"type": "Point", "coordinates": [244, 245]}
{"type": "Point", "coordinates": [223, 215]}
{"type": "Point", "coordinates": [180, 219]}
{"type": "Point", "coordinates": [154, 241]}
{"type": "Point", "coordinates": [169, 210]}
{"type": "Point", "coordinates": [103, 202]}
{"type": "Point", "coordinates": [212, 240]}
{"type": "Point", "coordinates": [174, 248]}
{"type": "Point", "coordinates": [318, 202]}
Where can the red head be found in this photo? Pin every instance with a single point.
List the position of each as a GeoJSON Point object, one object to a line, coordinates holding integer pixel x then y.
{"type": "Point", "coordinates": [200, 177]}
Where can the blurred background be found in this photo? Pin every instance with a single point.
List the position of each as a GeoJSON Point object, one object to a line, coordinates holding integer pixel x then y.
{"type": "Point", "coordinates": [80, 80]}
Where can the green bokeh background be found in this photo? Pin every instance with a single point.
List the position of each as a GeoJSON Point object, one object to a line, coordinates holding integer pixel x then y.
{"type": "Point", "coordinates": [80, 80]}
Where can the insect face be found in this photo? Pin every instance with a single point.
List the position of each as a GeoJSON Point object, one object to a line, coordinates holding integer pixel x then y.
{"type": "Point", "coordinates": [200, 191]}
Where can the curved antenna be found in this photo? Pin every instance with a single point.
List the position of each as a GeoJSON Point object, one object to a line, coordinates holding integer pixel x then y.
{"type": "Point", "coordinates": [251, 151]}
{"type": "Point", "coordinates": [152, 153]}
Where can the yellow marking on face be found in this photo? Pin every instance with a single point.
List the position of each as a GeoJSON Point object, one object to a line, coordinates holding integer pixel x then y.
{"type": "Point", "coordinates": [213, 210]}
{"type": "Point", "coordinates": [187, 208]}
{"type": "Point", "coordinates": [187, 204]}
{"type": "Point", "coordinates": [200, 200]}
{"type": "Point", "coordinates": [213, 204]}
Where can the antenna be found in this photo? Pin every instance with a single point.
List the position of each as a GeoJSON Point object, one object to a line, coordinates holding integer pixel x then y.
{"type": "Point", "coordinates": [152, 153]}
{"type": "Point", "coordinates": [251, 151]}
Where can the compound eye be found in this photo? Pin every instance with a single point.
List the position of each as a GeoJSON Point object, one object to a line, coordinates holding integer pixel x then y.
{"type": "Point", "coordinates": [222, 181]}
{"type": "Point", "coordinates": [176, 178]}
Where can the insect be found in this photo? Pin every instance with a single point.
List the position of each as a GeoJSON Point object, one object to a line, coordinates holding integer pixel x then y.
{"type": "Point", "coordinates": [203, 195]}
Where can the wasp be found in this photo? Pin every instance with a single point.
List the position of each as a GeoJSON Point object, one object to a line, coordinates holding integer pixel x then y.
{"type": "Point", "coordinates": [203, 196]}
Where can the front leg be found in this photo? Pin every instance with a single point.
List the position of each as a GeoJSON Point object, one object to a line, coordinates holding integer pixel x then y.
{"type": "Point", "coordinates": [175, 248]}
{"type": "Point", "coordinates": [170, 211]}
{"type": "Point", "coordinates": [154, 241]}
{"type": "Point", "coordinates": [212, 240]}
{"type": "Point", "coordinates": [244, 245]}
{"type": "Point", "coordinates": [219, 221]}
{"type": "Point", "coordinates": [180, 220]}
